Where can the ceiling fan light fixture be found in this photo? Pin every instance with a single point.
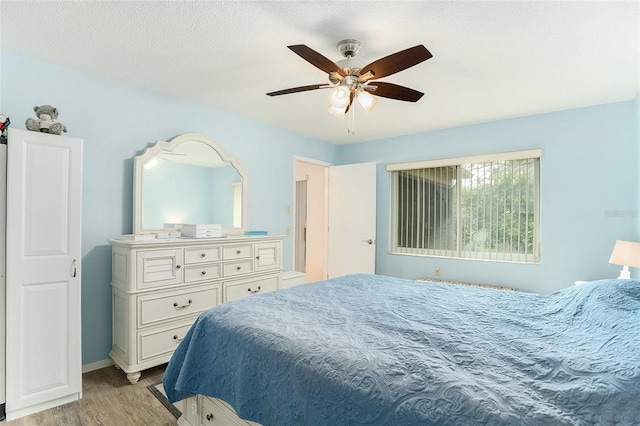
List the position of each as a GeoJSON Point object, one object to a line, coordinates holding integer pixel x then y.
{"type": "Point", "coordinates": [339, 97]}
{"type": "Point", "coordinates": [367, 101]}
{"type": "Point", "coordinates": [350, 80]}
{"type": "Point", "coordinates": [337, 112]}
{"type": "Point", "coordinates": [151, 164]}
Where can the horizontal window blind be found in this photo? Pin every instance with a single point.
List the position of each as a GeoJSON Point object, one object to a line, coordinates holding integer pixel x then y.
{"type": "Point", "coordinates": [485, 210]}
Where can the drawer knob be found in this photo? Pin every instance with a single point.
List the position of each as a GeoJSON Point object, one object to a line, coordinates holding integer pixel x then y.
{"type": "Point", "coordinates": [203, 255]}
{"type": "Point", "coordinates": [175, 305]}
{"type": "Point", "coordinates": [254, 291]}
{"type": "Point", "coordinates": [257, 257]}
{"type": "Point", "coordinates": [203, 273]}
{"type": "Point", "coordinates": [209, 417]}
{"type": "Point", "coordinates": [177, 266]}
{"type": "Point", "coordinates": [238, 267]}
{"type": "Point", "coordinates": [176, 338]}
{"type": "Point", "coordinates": [238, 251]}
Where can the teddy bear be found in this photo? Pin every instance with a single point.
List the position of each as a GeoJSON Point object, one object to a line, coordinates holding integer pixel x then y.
{"type": "Point", "coordinates": [47, 121]}
{"type": "Point", "coordinates": [4, 128]}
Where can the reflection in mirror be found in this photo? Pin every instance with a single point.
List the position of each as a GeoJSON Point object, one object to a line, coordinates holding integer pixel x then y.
{"type": "Point", "coordinates": [190, 179]}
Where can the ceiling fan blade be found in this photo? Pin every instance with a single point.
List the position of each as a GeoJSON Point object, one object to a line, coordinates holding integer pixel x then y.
{"type": "Point", "coordinates": [395, 91]}
{"type": "Point", "coordinates": [316, 59]}
{"type": "Point", "coordinates": [298, 89]}
{"type": "Point", "coordinates": [397, 62]}
{"type": "Point", "coordinates": [351, 98]}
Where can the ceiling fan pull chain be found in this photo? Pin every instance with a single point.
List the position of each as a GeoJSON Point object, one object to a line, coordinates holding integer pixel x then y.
{"type": "Point", "coordinates": [351, 126]}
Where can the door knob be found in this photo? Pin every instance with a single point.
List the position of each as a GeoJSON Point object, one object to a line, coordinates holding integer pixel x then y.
{"type": "Point", "coordinates": [369, 241]}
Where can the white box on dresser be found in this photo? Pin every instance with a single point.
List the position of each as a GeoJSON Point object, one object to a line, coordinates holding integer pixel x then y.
{"type": "Point", "coordinates": [160, 287]}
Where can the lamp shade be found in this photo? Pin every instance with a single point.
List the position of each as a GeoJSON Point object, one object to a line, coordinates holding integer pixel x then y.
{"type": "Point", "coordinates": [337, 112]}
{"type": "Point", "coordinates": [367, 101]}
{"type": "Point", "coordinates": [626, 253]}
{"type": "Point", "coordinates": [340, 96]}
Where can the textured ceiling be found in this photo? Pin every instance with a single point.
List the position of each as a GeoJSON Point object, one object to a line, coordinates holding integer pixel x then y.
{"type": "Point", "coordinates": [491, 60]}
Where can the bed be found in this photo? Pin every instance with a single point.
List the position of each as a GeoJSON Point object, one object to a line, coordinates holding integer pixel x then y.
{"type": "Point", "coordinates": [375, 350]}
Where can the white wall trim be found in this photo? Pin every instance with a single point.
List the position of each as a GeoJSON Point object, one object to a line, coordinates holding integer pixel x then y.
{"type": "Point", "coordinates": [297, 158]}
{"type": "Point", "coordinates": [96, 365]}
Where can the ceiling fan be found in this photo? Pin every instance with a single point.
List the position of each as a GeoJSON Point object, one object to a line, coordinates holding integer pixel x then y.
{"type": "Point", "coordinates": [351, 81]}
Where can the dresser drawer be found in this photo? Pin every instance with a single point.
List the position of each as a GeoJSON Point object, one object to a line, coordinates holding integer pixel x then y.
{"type": "Point", "coordinates": [202, 272]}
{"type": "Point", "coordinates": [161, 342]}
{"type": "Point", "coordinates": [236, 252]}
{"type": "Point", "coordinates": [201, 254]}
{"type": "Point", "coordinates": [157, 307]}
{"type": "Point", "coordinates": [236, 268]}
{"type": "Point", "coordinates": [236, 290]}
{"type": "Point", "coordinates": [216, 412]}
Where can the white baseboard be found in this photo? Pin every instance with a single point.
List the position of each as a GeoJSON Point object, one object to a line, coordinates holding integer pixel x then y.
{"type": "Point", "coordinates": [96, 365]}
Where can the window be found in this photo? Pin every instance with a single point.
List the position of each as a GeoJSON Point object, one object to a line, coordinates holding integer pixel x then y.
{"type": "Point", "coordinates": [482, 207]}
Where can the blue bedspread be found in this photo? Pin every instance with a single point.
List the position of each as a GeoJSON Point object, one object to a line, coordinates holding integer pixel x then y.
{"type": "Point", "coordinates": [374, 350]}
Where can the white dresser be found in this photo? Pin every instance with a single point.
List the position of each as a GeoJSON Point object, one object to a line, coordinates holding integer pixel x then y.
{"type": "Point", "coordinates": [161, 286]}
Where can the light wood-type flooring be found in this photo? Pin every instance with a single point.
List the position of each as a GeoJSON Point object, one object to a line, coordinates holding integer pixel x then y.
{"type": "Point", "coordinates": [108, 399]}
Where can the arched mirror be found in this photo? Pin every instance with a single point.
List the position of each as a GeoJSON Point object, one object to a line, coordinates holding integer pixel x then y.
{"type": "Point", "coordinates": [189, 179]}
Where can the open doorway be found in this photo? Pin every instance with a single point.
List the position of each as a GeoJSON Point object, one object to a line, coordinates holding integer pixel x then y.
{"type": "Point", "coordinates": [300, 256]}
{"type": "Point", "coordinates": [311, 218]}
{"type": "Point", "coordinates": [350, 204]}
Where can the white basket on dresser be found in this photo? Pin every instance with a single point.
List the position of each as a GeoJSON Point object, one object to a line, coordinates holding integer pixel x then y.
{"type": "Point", "coordinates": [159, 287]}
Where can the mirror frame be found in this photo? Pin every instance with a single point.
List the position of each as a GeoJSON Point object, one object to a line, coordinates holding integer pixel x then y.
{"type": "Point", "coordinates": [159, 146]}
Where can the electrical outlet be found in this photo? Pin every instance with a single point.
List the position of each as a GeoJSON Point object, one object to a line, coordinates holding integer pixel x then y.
{"type": "Point", "coordinates": [437, 270]}
{"type": "Point", "coordinates": [287, 230]}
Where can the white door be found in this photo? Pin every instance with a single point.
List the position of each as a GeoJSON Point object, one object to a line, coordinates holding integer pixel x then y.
{"type": "Point", "coordinates": [44, 198]}
{"type": "Point", "coordinates": [352, 219]}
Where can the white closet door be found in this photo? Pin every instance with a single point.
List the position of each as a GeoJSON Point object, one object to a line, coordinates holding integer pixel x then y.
{"type": "Point", "coordinates": [44, 199]}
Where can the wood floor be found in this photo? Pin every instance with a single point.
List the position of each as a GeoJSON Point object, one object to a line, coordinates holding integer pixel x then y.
{"type": "Point", "coordinates": [108, 399]}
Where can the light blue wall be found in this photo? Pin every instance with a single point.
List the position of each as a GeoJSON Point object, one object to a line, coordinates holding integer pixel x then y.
{"type": "Point", "coordinates": [117, 121]}
{"type": "Point", "coordinates": [589, 192]}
